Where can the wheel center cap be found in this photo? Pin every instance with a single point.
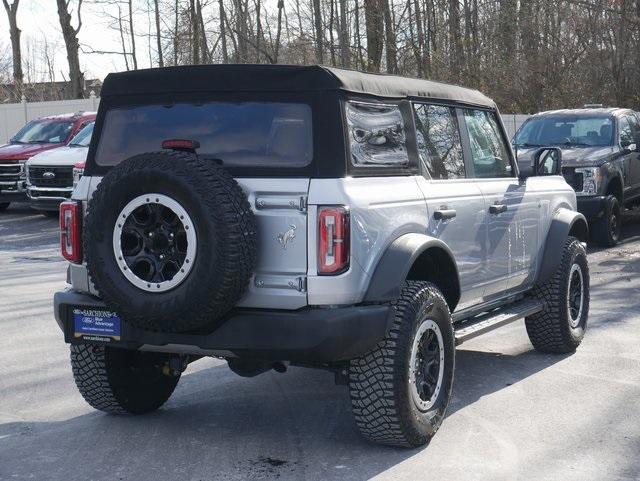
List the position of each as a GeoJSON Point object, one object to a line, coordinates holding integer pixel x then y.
{"type": "Point", "coordinates": [159, 242]}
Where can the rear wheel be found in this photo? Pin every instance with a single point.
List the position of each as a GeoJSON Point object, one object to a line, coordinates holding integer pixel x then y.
{"type": "Point", "coordinates": [122, 381]}
{"type": "Point", "coordinates": [607, 230]}
{"type": "Point", "coordinates": [561, 325]}
{"type": "Point", "coordinates": [401, 389]}
{"type": "Point", "coordinates": [4, 206]}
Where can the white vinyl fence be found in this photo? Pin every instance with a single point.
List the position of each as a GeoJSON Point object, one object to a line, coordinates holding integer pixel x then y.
{"type": "Point", "coordinates": [14, 116]}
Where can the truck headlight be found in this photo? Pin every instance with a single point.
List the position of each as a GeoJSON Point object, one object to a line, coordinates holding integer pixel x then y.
{"type": "Point", "coordinates": [591, 178]}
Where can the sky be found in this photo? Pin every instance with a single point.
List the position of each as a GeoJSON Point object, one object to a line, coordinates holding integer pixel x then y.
{"type": "Point", "coordinates": [38, 19]}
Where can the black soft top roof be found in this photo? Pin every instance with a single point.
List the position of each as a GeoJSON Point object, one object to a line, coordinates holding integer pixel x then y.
{"type": "Point", "coordinates": [261, 78]}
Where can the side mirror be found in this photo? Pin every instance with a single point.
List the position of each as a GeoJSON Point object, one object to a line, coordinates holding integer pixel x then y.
{"type": "Point", "coordinates": [546, 161]}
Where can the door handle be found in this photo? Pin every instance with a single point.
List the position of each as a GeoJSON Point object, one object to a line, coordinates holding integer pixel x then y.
{"type": "Point", "coordinates": [443, 214]}
{"type": "Point", "coordinates": [497, 208]}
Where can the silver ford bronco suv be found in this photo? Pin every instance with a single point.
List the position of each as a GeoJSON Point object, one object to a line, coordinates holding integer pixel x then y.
{"type": "Point", "coordinates": [286, 215]}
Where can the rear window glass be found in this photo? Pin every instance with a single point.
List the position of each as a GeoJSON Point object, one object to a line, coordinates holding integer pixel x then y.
{"type": "Point", "coordinates": [239, 134]}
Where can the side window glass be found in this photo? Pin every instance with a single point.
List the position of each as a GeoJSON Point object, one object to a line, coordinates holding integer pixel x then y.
{"type": "Point", "coordinates": [629, 130]}
{"type": "Point", "coordinates": [438, 139]}
{"type": "Point", "coordinates": [626, 137]}
{"type": "Point", "coordinates": [488, 149]}
{"type": "Point", "coordinates": [376, 135]}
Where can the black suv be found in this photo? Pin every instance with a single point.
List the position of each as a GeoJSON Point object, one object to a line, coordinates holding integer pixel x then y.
{"type": "Point", "coordinates": [600, 159]}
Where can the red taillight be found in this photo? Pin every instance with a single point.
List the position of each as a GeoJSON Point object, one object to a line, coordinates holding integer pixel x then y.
{"type": "Point", "coordinates": [70, 242]}
{"type": "Point", "coordinates": [333, 240]}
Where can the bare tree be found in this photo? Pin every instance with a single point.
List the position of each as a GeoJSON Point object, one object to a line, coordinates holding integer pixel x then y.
{"type": "Point", "coordinates": [158, 33]}
{"type": "Point", "coordinates": [317, 22]}
{"type": "Point", "coordinates": [70, 36]}
{"type": "Point", "coordinates": [14, 34]}
{"type": "Point", "coordinates": [374, 22]}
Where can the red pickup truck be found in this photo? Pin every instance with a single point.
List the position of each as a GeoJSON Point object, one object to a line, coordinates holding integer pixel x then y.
{"type": "Point", "coordinates": [36, 136]}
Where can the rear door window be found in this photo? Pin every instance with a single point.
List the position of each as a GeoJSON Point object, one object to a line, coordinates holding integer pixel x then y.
{"type": "Point", "coordinates": [489, 151]}
{"type": "Point", "coordinates": [376, 134]}
{"type": "Point", "coordinates": [241, 134]}
{"type": "Point", "coordinates": [438, 141]}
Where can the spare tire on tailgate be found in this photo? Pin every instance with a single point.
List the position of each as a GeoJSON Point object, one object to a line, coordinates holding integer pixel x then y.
{"type": "Point", "coordinates": [170, 241]}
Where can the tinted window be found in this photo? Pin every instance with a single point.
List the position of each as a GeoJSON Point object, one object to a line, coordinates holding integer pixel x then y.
{"type": "Point", "coordinates": [239, 134]}
{"type": "Point", "coordinates": [438, 139]}
{"type": "Point", "coordinates": [566, 130]}
{"type": "Point", "coordinates": [488, 150]}
{"type": "Point", "coordinates": [43, 131]}
{"type": "Point", "coordinates": [376, 134]}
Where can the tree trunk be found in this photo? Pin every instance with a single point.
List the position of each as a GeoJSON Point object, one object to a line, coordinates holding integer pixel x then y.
{"type": "Point", "coordinates": [134, 56]}
{"type": "Point", "coordinates": [158, 32]}
{"type": "Point", "coordinates": [455, 43]}
{"type": "Point", "coordinates": [374, 23]}
{"type": "Point", "coordinates": [317, 19]}
{"type": "Point", "coordinates": [390, 39]}
{"type": "Point", "coordinates": [223, 34]}
{"type": "Point", "coordinates": [195, 36]}
{"type": "Point", "coordinates": [276, 49]}
{"type": "Point", "coordinates": [345, 54]}
{"type": "Point", "coordinates": [14, 34]}
{"type": "Point", "coordinates": [70, 35]}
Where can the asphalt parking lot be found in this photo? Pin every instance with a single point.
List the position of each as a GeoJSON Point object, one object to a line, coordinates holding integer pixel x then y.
{"type": "Point", "coordinates": [516, 414]}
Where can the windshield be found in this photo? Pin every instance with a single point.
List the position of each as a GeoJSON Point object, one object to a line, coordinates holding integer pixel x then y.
{"type": "Point", "coordinates": [238, 134]}
{"type": "Point", "coordinates": [83, 137]}
{"type": "Point", "coordinates": [566, 130]}
{"type": "Point", "coordinates": [43, 131]}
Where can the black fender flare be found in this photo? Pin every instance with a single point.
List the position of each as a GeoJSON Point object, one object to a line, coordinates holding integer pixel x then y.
{"type": "Point", "coordinates": [563, 223]}
{"type": "Point", "coordinates": [396, 262]}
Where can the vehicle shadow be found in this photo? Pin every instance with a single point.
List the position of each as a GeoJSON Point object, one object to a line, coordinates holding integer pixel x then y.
{"type": "Point", "coordinates": [220, 426]}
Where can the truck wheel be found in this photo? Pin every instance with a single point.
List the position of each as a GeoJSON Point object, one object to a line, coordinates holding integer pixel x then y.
{"type": "Point", "coordinates": [560, 327]}
{"type": "Point", "coordinates": [170, 241]}
{"type": "Point", "coordinates": [401, 389]}
{"type": "Point", "coordinates": [121, 381]}
{"type": "Point", "coordinates": [4, 206]}
{"type": "Point", "coordinates": [606, 231]}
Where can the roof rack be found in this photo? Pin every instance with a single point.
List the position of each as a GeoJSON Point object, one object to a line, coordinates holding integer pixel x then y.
{"type": "Point", "coordinates": [593, 106]}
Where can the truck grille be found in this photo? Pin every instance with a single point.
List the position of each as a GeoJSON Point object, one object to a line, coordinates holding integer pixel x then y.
{"type": "Point", "coordinates": [51, 176]}
{"type": "Point", "coordinates": [573, 178]}
{"type": "Point", "coordinates": [10, 172]}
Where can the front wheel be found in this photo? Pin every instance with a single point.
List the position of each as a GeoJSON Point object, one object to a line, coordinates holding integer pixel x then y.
{"type": "Point", "coordinates": [401, 389]}
{"type": "Point", "coordinates": [561, 325]}
{"type": "Point", "coordinates": [607, 230]}
{"type": "Point", "coordinates": [121, 381]}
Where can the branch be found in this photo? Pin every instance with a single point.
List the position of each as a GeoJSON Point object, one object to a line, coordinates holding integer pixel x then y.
{"type": "Point", "coordinates": [79, 17]}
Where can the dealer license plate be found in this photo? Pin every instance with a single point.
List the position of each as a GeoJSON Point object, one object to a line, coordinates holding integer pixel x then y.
{"type": "Point", "coordinates": [96, 324]}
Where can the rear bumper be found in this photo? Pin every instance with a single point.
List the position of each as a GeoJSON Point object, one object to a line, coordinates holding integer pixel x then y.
{"type": "Point", "coordinates": [591, 207]}
{"type": "Point", "coordinates": [310, 335]}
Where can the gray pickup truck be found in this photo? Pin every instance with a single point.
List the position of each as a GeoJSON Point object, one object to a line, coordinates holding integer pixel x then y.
{"type": "Point", "coordinates": [311, 216]}
{"type": "Point", "coordinates": [600, 160]}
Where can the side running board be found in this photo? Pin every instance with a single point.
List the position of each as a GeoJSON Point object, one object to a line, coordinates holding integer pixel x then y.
{"type": "Point", "coordinates": [476, 326]}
